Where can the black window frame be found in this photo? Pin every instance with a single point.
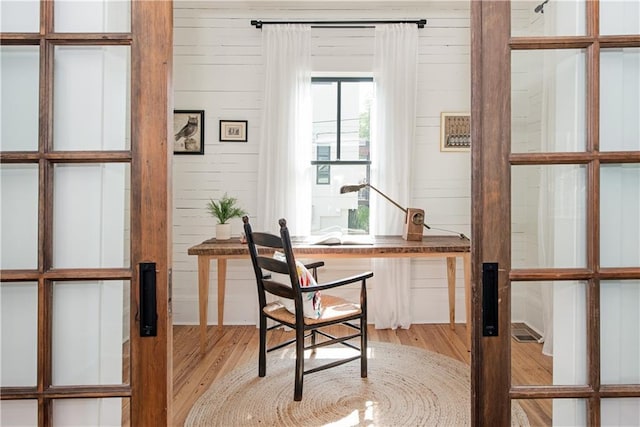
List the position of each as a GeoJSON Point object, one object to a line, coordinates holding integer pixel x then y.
{"type": "Point", "coordinates": [339, 81]}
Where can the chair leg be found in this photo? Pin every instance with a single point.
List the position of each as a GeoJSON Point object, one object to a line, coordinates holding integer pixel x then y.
{"type": "Point", "coordinates": [313, 340]}
{"type": "Point", "coordinates": [363, 348]}
{"type": "Point", "coordinates": [297, 393]}
{"type": "Point", "coordinates": [262, 358]}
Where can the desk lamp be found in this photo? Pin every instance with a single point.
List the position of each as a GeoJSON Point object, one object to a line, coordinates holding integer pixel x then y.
{"type": "Point", "coordinates": [413, 220]}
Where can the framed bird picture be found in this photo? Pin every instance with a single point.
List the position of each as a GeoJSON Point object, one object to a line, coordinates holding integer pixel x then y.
{"type": "Point", "coordinates": [188, 129]}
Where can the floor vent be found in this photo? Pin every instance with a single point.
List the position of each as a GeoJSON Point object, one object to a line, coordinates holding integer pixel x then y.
{"type": "Point", "coordinates": [522, 333]}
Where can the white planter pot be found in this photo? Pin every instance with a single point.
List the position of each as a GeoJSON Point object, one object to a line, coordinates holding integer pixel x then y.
{"type": "Point", "coordinates": [223, 231]}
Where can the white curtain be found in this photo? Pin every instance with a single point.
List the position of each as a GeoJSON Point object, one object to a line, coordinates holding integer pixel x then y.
{"type": "Point", "coordinates": [284, 168]}
{"type": "Point", "coordinates": [395, 76]}
{"type": "Point", "coordinates": [545, 199]}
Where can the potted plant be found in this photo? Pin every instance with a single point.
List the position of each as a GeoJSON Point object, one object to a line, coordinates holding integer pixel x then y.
{"type": "Point", "coordinates": [223, 210]}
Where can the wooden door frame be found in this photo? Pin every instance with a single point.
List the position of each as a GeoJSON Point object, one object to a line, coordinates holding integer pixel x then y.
{"type": "Point", "coordinates": [490, 98]}
{"type": "Point", "coordinates": [151, 118]}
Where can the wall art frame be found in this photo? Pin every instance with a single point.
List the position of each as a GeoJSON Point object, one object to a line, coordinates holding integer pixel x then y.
{"type": "Point", "coordinates": [188, 128]}
{"type": "Point", "coordinates": [233, 130]}
{"type": "Point", "coordinates": [455, 131]}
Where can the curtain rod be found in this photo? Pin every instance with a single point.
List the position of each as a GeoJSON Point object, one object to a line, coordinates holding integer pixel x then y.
{"type": "Point", "coordinates": [340, 24]}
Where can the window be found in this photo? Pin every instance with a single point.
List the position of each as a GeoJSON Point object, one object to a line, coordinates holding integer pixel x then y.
{"type": "Point", "coordinates": [323, 171]}
{"type": "Point", "coordinates": [340, 146]}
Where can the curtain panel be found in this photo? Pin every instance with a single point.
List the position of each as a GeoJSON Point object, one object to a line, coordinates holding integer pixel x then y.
{"type": "Point", "coordinates": [395, 76]}
{"type": "Point", "coordinates": [284, 162]}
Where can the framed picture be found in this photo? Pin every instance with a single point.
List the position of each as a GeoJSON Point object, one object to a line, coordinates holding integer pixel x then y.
{"type": "Point", "coordinates": [455, 131]}
{"type": "Point", "coordinates": [188, 129]}
{"type": "Point", "coordinates": [233, 130]}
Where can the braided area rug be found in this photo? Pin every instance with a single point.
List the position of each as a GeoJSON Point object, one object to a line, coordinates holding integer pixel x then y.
{"type": "Point", "coordinates": [406, 386]}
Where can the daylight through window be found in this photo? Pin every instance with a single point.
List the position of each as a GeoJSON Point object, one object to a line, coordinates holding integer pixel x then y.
{"type": "Point", "coordinates": [340, 149]}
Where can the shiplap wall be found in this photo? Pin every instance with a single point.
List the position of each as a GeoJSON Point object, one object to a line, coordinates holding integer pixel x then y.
{"type": "Point", "coordinates": [218, 67]}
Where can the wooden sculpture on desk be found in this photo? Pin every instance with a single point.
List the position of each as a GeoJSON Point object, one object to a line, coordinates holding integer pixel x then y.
{"type": "Point", "coordinates": [413, 220]}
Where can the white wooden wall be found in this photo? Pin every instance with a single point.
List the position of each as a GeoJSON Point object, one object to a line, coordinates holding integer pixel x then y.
{"type": "Point", "coordinates": [218, 68]}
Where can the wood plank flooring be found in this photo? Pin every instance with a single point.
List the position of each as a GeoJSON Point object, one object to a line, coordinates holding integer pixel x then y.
{"type": "Point", "coordinates": [232, 346]}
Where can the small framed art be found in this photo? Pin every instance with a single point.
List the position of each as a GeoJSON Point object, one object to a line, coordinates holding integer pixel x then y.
{"type": "Point", "coordinates": [188, 128]}
{"type": "Point", "coordinates": [455, 131]}
{"type": "Point", "coordinates": [233, 130]}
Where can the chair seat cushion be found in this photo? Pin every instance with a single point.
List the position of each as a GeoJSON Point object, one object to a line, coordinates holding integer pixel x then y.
{"type": "Point", "coordinates": [333, 308]}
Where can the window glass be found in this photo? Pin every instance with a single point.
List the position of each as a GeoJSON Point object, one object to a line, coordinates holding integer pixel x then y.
{"type": "Point", "coordinates": [548, 18]}
{"type": "Point", "coordinates": [548, 98]}
{"type": "Point", "coordinates": [619, 17]}
{"type": "Point", "coordinates": [91, 98]}
{"type": "Point", "coordinates": [548, 220]}
{"type": "Point", "coordinates": [91, 215]}
{"type": "Point", "coordinates": [19, 16]}
{"type": "Point", "coordinates": [111, 411]}
{"type": "Point", "coordinates": [323, 172]}
{"type": "Point", "coordinates": [19, 216]}
{"type": "Point", "coordinates": [619, 213]}
{"type": "Point", "coordinates": [19, 83]}
{"type": "Point", "coordinates": [90, 336]}
{"type": "Point", "coordinates": [620, 332]}
{"type": "Point", "coordinates": [340, 146]}
{"type": "Point", "coordinates": [96, 16]}
{"type": "Point", "coordinates": [18, 335]}
{"type": "Point", "coordinates": [620, 99]}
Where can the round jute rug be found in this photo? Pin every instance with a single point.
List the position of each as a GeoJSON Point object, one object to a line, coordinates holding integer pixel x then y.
{"type": "Point", "coordinates": [406, 386]}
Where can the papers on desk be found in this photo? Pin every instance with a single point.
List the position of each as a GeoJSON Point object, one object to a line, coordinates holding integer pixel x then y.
{"type": "Point", "coordinates": [338, 238]}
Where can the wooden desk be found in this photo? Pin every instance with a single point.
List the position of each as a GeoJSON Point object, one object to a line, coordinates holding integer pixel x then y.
{"type": "Point", "coordinates": [448, 247]}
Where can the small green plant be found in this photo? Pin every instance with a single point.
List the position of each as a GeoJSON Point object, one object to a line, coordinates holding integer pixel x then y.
{"type": "Point", "coordinates": [225, 209]}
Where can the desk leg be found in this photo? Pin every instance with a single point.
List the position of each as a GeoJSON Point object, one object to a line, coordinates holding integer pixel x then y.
{"type": "Point", "coordinates": [203, 298]}
{"type": "Point", "coordinates": [451, 281]}
{"type": "Point", "coordinates": [222, 280]}
{"type": "Point", "coordinates": [467, 295]}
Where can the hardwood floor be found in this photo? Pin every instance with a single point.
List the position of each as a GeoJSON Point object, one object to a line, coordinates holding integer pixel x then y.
{"type": "Point", "coordinates": [233, 346]}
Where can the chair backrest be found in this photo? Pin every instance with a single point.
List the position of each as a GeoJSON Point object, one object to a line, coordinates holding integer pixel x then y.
{"type": "Point", "coordinates": [261, 248]}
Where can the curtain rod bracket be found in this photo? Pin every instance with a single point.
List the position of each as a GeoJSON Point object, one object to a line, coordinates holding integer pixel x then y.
{"type": "Point", "coordinates": [338, 24]}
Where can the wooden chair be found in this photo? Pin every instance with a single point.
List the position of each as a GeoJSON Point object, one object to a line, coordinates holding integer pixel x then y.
{"type": "Point", "coordinates": [335, 310]}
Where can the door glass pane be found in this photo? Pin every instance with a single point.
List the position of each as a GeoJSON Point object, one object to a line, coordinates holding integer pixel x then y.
{"type": "Point", "coordinates": [19, 329]}
{"type": "Point", "coordinates": [548, 100]}
{"type": "Point", "coordinates": [90, 332]}
{"type": "Point", "coordinates": [91, 98]}
{"type": "Point", "coordinates": [620, 332]}
{"type": "Point", "coordinates": [20, 16]}
{"type": "Point", "coordinates": [620, 412]}
{"type": "Point", "coordinates": [548, 227]}
{"type": "Point", "coordinates": [619, 213]}
{"type": "Point", "coordinates": [91, 218]}
{"type": "Point", "coordinates": [97, 16]}
{"type": "Point", "coordinates": [552, 412]}
{"type": "Point", "coordinates": [109, 412]}
{"type": "Point", "coordinates": [19, 216]}
{"type": "Point", "coordinates": [620, 99]}
{"type": "Point", "coordinates": [19, 413]}
{"type": "Point", "coordinates": [548, 330]}
{"type": "Point", "coordinates": [19, 80]}
{"type": "Point", "coordinates": [547, 18]}
{"type": "Point", "coordinates": [619, 17]}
